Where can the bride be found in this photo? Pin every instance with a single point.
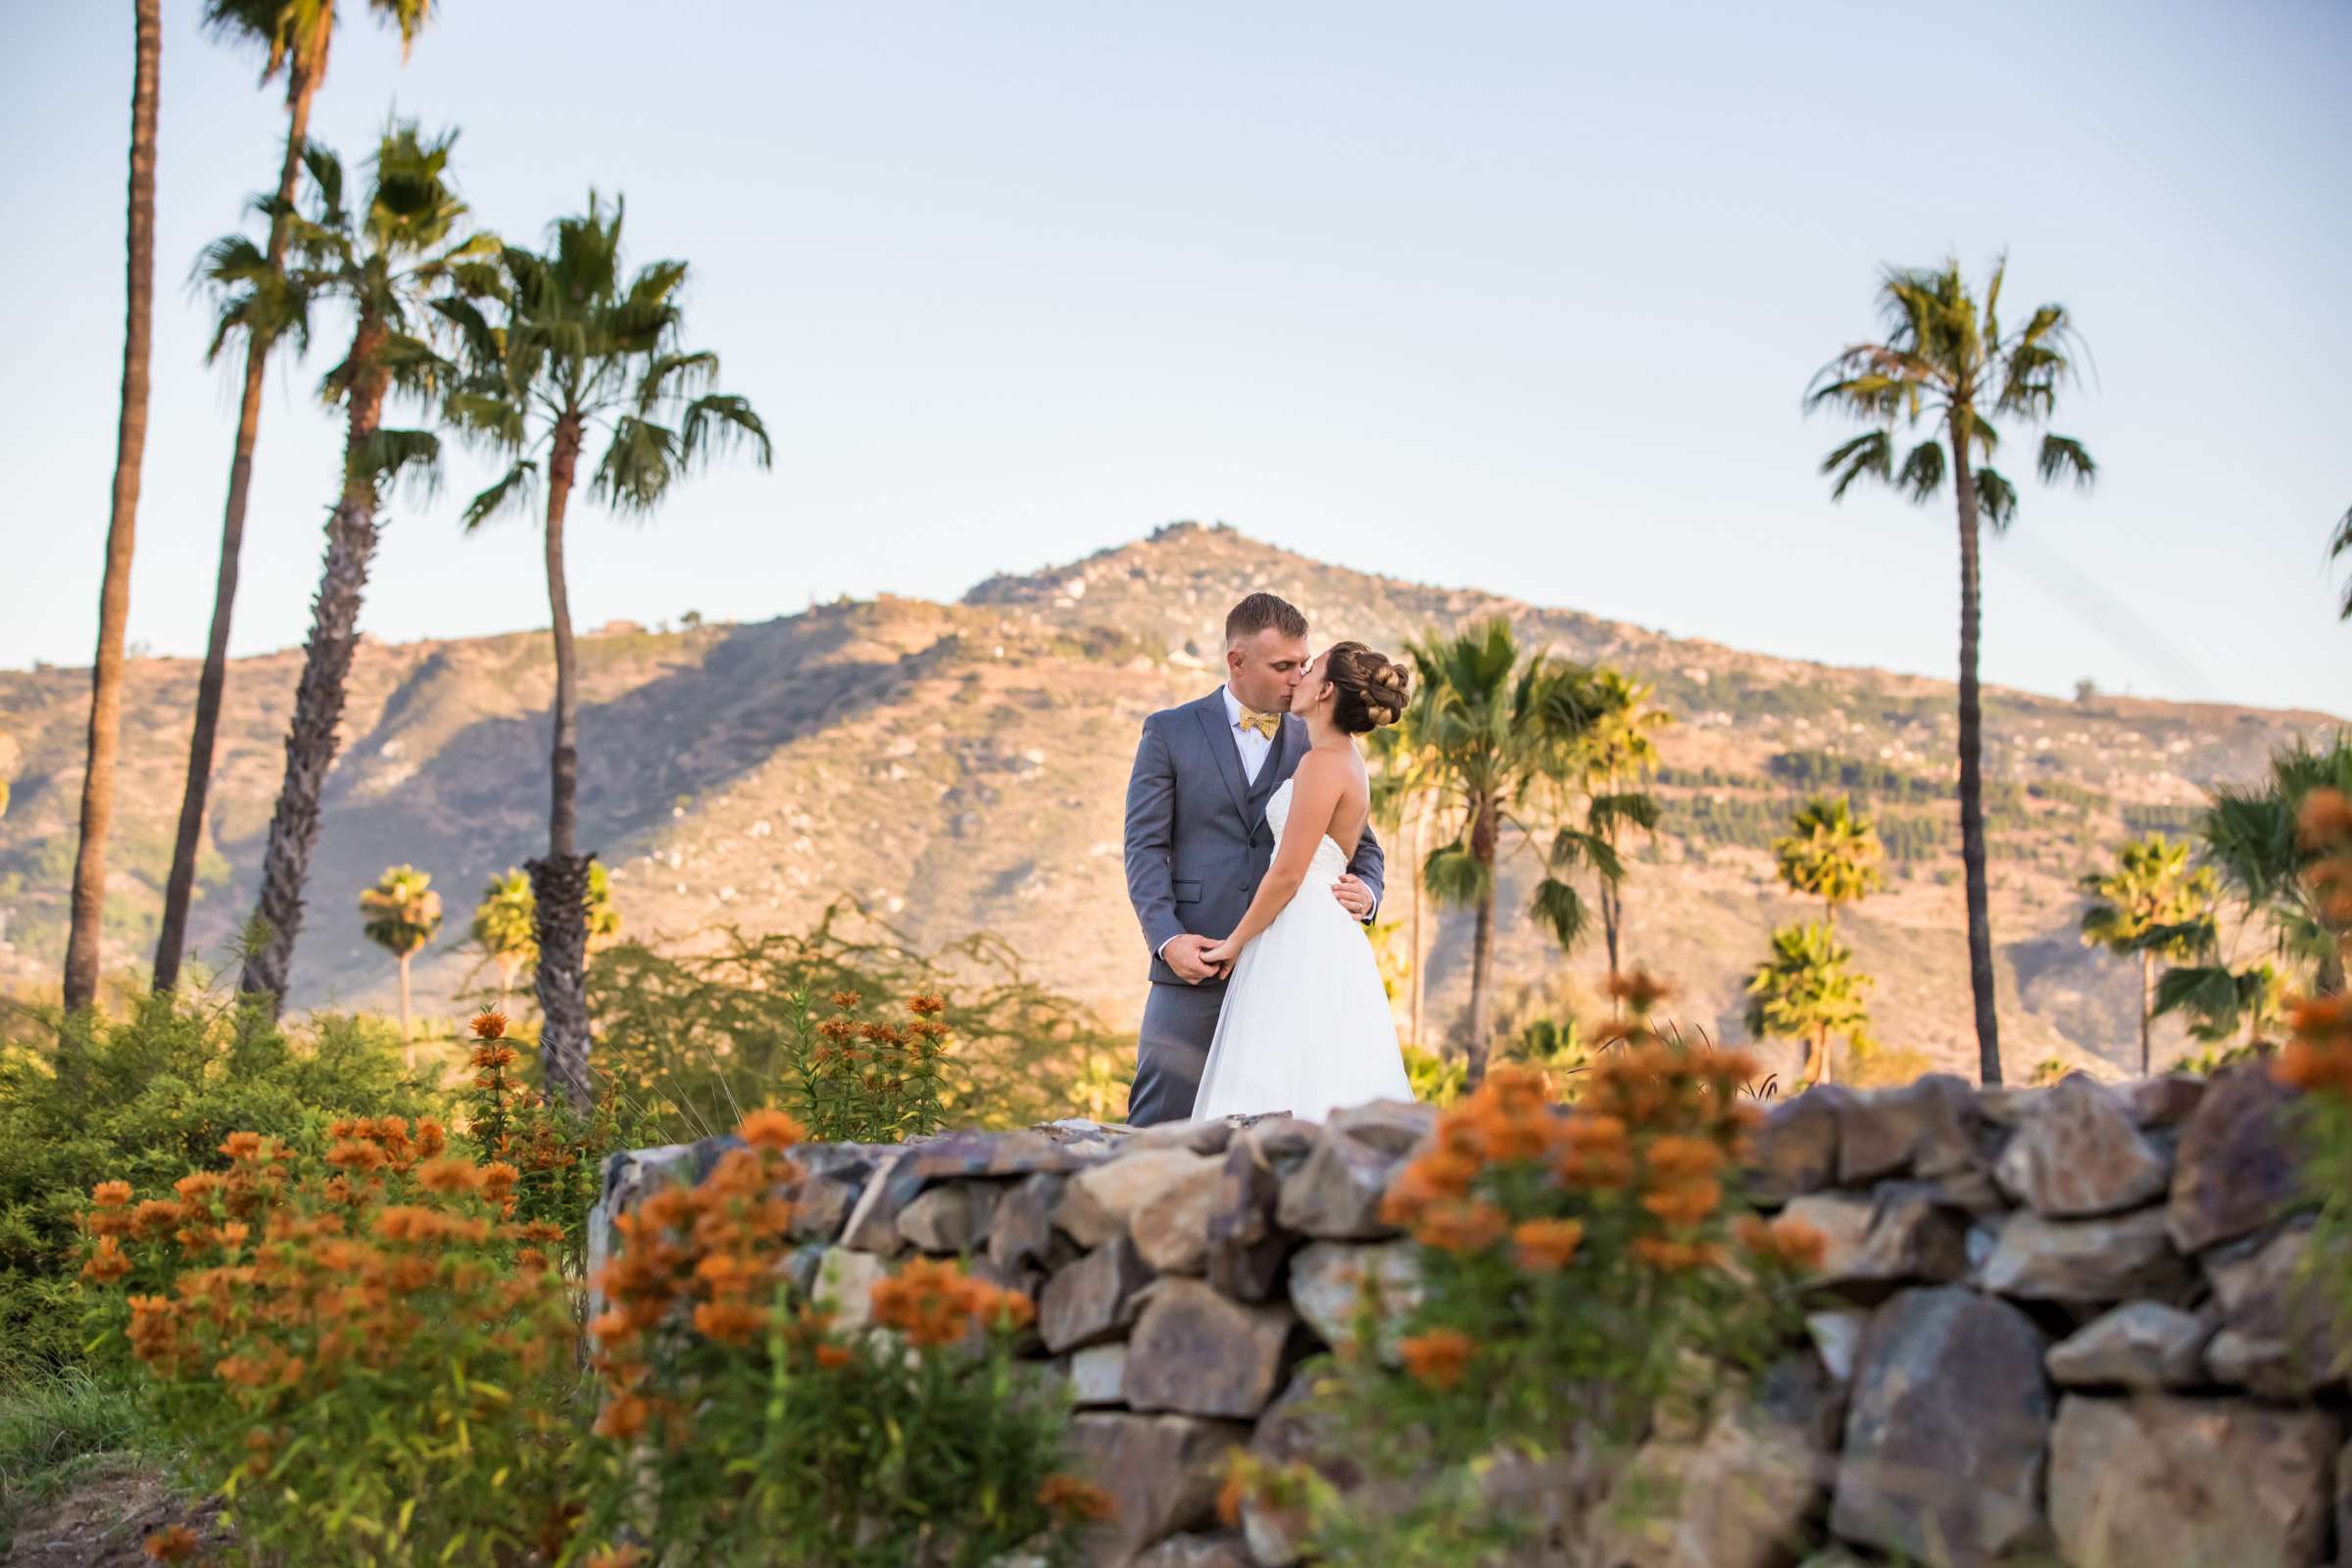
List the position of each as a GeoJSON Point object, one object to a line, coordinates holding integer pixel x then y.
{"type": "Point", "coordinates": [1306, 1026]}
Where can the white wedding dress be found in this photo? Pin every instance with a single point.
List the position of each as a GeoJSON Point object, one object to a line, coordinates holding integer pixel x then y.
{"type": "Point", "coordinates": [1305, 1027]}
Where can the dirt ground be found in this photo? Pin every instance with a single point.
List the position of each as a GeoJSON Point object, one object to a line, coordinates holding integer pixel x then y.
{"type": "Point", "coordinates": [101, 1520]}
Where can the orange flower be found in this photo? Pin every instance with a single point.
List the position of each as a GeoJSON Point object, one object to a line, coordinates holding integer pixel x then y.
{"type": "Point", "coordinates": [1069, 1499]}
{"type": "Point", "coordinates": [111, 1195]}
{"type": "Point", "coordinates": [1460, 1226]}
{"type": "Point", "coordinates": [730, 1322]}
{"type": "Point", "coordinates": [848, 1001]}
{"type": "Point", "coordinates": [1677, 1159]}
{"type": "Point", "coordinates": [107, 1263]}
{"type": "Point", "coordinates": [354, 1153]}
{"type": "Point", "coordinates": [623, 1416]}
{"type": "Point", "coordinates": [1234, 1495]}
{"type": "Point", "coordinates": [833, 1357]}
{"type": "Point", "coordinates": [172, 1543]}
{"type": "Point", "coordinates": [1787, 1241]}
{"type": "Point", "coordinates": [1438, 1358]}
{"type": "Point", "coordinates": [773, 1131]}
{"type": "Point", "coordinates": [1640, 991]}
{"type": "Point", "coordinates": [1687, 1202]}
{"type": "Point", "coordinates": [242, 1145]}
{"type": "Point", "coordinates": [1675, 1258]}
{"type": "Point", "coordinates": [449, 1176]}
{"type": "Point", "coordinates": [625, 1556]}
{"type": "Point", "coordinates": [925, 1006]}
{"type": "Point", "coordinates": [489, 1024]}
{"type": "Point", "coordinates": [2326, 817]}
{"type": "Point", "coordinates": [1547, 1245]}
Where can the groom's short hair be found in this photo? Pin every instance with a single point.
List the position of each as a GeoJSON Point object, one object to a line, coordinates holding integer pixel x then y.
{"type": "Point", "coordinates": [1258, 612]}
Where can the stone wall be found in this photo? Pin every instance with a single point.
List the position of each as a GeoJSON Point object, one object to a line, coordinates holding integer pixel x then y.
{"type": "Point", "coordinates": [2052, 1325]}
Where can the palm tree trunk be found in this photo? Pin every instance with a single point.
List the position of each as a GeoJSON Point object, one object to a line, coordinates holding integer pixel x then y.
{"type": "Point", "coordinates": [311, 740]}
{"type": "Point", "coordinates": [2147, 1004]}
{"type": "Point", "coordinates": [171, 943]}
{"type": "Point", "coordinates": [408, 1032]}
{"type": "Point", "coordinates": [1819, 1067]}
{"type": "Point", "coordinates": [114, 595]}
{"type": "Point", "coordinates": [1482, 837]}
{"type": "Point", "coordinates": [559, 880]}
{"type": "Point", "coordinates": [1972, 769]}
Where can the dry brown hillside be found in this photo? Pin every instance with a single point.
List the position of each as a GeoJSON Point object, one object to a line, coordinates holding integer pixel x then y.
{"type": "Point", "coordinates": [962, 767]}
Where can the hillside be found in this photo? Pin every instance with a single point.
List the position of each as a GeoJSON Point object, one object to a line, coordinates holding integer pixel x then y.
{"type": "Point", "coordinates": [962, 767]}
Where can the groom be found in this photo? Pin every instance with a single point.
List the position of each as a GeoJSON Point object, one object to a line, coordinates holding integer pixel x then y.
{"type": "Point", "coordinates": [1197, 842]}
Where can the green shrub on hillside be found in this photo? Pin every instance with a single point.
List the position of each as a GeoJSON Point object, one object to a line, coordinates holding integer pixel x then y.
{"type": "Point", "coordinates": [146, 1099]}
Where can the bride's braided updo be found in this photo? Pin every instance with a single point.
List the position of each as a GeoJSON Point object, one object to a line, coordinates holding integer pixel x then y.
{"type": "Point", "coordinates": [1369, 689]}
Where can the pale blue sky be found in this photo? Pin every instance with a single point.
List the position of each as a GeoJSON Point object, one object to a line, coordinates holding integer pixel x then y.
{"type": "Point", "coordinates": [1517, 296]}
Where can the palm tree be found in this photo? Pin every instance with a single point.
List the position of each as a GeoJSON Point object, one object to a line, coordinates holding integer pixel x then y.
{"type": "Point", "coordinates": [505, 923]}
{"type": "Point", "coordinates": [1501, 732]}
{"type": "Point", "coordinates": [578, 351]}
{"type": "Point", "coordinates": [1616, 751]}
{"type": "Point", "coordinates": [402, 912]}
{"type": "Point", "coordinates": [256, 306]}
{"type": "Point", "coordinates": [1945, 358]}
{"type": "Point", "coordinates": [503, 927]}
{"type": "Point", "coordinates": [114, 594]}
{"type": "Point", "coordinates": [1830, 853]}
{"type": "Point", "coordinates": [2146, 906]}
{"type": "Point", "coordinates": [383, 261]}
{"type": "Point", "coordinates": [1402, 800]}
{"type": "Point", "coordinates": [2250, 840]}
{"type": "Point", "coordinates": [1808, 989]}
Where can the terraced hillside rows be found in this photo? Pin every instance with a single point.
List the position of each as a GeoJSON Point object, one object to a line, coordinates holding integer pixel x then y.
{"type": "Point", "coordinates": [962, 767]}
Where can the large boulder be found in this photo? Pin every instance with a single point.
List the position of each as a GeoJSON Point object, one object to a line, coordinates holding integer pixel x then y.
{"type": "Point", "coordinates": [2139, 1344]}
{"type": "Point", "coordinates": [1335, 1193]}
{"type": "Point", "coordinates": [1796, 1150]}
{"type": "Point", "coordinates": [2085, 1260]}
{"type": "Point", "coordinates": [1197, 1353]}
{"type": "Point", "coordinates": [1021, 1233]}
{"type": "Point", "coordinates": [2078, 1154]}
{"type": "Point", "coordinates": [1900, 1234]}
{"type": "Point", "coordinates": [2281, 1335]}
{"type": "Point", "coordinates": [1100, 1201]}
{"type": "Point", "coordinates": [1171, 1227]}
{"type": "Point", "coordinates": [952, 1217]}
{"type": "Point", "coordinates": [1098, 1375]}
{"type": "Point", "coordinates": [1944, 1430]}
{"type": "Point", "coordinates": [2158, 1482]}
{"type": "Point", "coordinates": [1929, 1128]}
{"type": "Point", "coordinates": [1094, 1298]}
{"type": "Point", "coordinates": [2235, 1169]}
{"type": "Point", "coordinates": [1328, 1281]}
{"type": "Point", "coordinates": [1246, 1246]}
{"type": "Point", "coordinates": [1162, 1472]}
{"type": "Point", "coordinates": [845, 1284]}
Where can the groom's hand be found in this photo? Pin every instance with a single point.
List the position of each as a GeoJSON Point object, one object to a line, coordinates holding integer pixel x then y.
{"type": "Point", "coordinates": [1184, 955]}
{"type": "Point", "coordinates": [1353, 897]}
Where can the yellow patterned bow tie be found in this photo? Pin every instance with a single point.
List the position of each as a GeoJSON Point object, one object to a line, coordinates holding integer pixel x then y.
{"type": "Point", "coordinates": [1264, 724]}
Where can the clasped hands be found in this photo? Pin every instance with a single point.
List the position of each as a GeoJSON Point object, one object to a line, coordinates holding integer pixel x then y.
{"type": "Point", "coordinates": [1196, 958]}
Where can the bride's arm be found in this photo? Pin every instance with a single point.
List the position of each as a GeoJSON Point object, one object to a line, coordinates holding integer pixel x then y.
{"type": "Point", "coordinates": [1315, 791]}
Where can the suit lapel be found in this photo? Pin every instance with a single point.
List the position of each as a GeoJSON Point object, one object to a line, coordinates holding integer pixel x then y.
{"type": "Point", "coordinates": [1226, 748]}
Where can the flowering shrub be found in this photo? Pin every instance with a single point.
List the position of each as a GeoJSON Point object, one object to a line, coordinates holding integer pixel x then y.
{"type": "Point", "coordinates": [2318, 1057]}
{"type": "Point", "coordinates": [748, 1419]}
{"type": "Point", "coordinates": [865, 1080]}
{"type": "Point", "coordinates": [1578, 1263]}
{"type": "Point", "coordinates": [557, 1154]}
{"type": "Point", "coordinates": [366, 1354]}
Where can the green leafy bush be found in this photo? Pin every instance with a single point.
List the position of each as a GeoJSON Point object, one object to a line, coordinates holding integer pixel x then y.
{"type": "Point", "coordinates": [145, 1099]}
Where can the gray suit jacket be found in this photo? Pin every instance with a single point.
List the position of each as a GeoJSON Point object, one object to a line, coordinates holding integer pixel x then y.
{"type": "Point", "coordinates": [1198, 839]}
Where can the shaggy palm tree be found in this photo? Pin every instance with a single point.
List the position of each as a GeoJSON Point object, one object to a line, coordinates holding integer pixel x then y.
{"type": "Point", "coordinates": [505, 923]}
{"type": "Point", "coordinates": [1808, 989]}
{"type": "Point", "coordinates": [1830, 853]}
{"type": "Point", "coordinates": [2147, 904]}
{"type": "Point", "coordinates": [574, 349]}
{"type": "Point", "coordinates": [1616, 753]}
{"type": "Point", "coordinates": [402, 912]}
{"type": "Point", "coordinates": [383, 261]}
{"type": "Point", "coordinates": [2248, 838]}
{"type": "Point", "coordinates": [259, 310]}
{"type": "Point", "coordinates": [105, 736]}
{"type": "Point", "coordinates": [1944, 360]}
{"type": "Point", "coordinates": [1500, 731]}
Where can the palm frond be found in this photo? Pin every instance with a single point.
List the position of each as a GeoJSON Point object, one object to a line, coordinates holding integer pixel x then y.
{"type": "Point", "coordinates": [2063, 455]}
{"type": "Point", "coordinates": [719, 421]}
{"type": "Point", "coordinates": [1560, 909]}
{"type": "Point", "coordinates": [1454, 875]}
{"type": "Point", "coordinates": [1921, 473]}
{"type": "Point", "coordinates": [513, 489]}
{"type": "Point", "coordinates": [691, 373]}
{"type": "Point", "coordinates": [638, 467]}
{"type": "Point", "coordinates": [2339, 545]}
{"type": "Point", "coordinates": [1869, 455]}
{"type": "Point", "coordinates": [389, 456]}
{"type": "Point", "coordinates": [1997, 497]}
